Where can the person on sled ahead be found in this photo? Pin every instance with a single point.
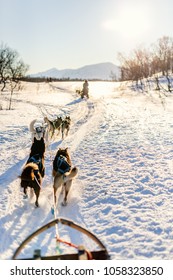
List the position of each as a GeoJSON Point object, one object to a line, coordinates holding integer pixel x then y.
{"type": "Point", "coordinates": [85, 89]}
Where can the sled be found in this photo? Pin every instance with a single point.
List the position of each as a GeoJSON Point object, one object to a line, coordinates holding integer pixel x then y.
{"type": "Point", "coordinates": [81, 93]}
{"type": "Point", "coordinates": [82, 253]}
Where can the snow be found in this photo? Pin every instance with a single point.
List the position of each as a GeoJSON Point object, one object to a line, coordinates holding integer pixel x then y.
{"type": "Point", "coordinates": [121, 141]}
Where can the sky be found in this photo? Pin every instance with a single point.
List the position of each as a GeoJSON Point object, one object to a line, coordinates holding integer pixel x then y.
{"type": "Point", "coordinates": [73, 33]}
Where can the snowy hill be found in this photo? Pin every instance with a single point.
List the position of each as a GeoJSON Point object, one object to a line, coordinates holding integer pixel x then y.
{"type": "Point", "coordinates": [121, 141]}
{"type": "Point", "coordinates": [100, 71]}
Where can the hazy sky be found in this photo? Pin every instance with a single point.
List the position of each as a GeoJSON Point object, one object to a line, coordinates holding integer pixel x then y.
{"type": "Point", "coordinates": [74, 33]}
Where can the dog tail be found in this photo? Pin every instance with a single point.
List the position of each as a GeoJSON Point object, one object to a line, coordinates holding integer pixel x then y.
{"type": "Point", "coordinates": [28, 172]}
{"type": "Point", "coordinates": [71, 175]}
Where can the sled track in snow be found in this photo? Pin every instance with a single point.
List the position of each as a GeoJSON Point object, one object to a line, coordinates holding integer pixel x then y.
{"type": "Point", "coordinates": [84, 120]}
{"type": "Point", "coordinates": [87, 119]}
{"type": "Point", "coordinates": [89, 112]}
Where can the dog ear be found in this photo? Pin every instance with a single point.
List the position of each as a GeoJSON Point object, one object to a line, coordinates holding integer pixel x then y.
{"type": "Point", "coordinates": [59, 151]}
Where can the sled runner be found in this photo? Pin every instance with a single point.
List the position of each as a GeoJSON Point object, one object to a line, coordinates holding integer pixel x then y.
{"type": "Point", "coordinates": [82, 253]}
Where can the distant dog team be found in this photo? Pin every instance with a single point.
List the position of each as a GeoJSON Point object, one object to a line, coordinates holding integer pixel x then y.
{"type": "Point", "coordinates": [59, 124]}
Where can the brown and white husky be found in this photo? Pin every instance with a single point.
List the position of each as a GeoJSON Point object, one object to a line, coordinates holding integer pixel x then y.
{"type": "Point", "coordinates": [63, 173]}
{"type": "Point", "coordinates": [34, 170]}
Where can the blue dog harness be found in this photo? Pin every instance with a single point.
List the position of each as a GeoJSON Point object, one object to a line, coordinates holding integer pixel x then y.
{"type": "Point", "coordinates": [37, 160]}
{"type": "Point", "coordinates": [62, 165]}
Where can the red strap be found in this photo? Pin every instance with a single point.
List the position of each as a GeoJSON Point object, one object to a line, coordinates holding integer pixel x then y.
{"type": "Point", "coordinates": [75, 246]}
{"type": "Point", "coordinates": [66, 242]}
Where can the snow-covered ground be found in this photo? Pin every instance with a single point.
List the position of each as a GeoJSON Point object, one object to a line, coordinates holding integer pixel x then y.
{"type": "Point", "coordinates": [121, 141]}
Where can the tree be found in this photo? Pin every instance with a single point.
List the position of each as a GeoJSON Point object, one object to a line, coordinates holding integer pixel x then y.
{"type": "Point", "coordinates": [113, 76]}
{"type": "Point", "coordinates": [163, 55]}
{"type": "Point", "coordinates": [12, 69]}
{"type": "Point", "coordinates": [142, 63]}
{"type": "Point", "coordinates": [137, 66]}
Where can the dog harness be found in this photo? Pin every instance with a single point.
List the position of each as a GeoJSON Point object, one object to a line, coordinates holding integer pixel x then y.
{"type": "Point", "coordinates": [37, 160]}
{"type": "Point", "coordinates": [62, 166]}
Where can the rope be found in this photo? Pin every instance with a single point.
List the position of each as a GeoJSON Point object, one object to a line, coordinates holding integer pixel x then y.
{"type": "Point", "coordinates": [37, 181]}
{"type": "Point", "coordinates": [67, 243]}
{"type": "Point", "coordinates": [56, 226]}
{"type": "Point", "coordinates": [53, 209]}
{"type": "Point", "coordinates": [89, 255]}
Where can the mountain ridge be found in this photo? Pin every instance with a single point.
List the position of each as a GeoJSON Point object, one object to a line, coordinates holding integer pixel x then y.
{"type": "Point", "coordinates": [100, 71]}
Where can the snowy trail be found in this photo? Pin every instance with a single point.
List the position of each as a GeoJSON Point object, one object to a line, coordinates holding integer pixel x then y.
{"type": "Point", "coordinates": [121, 142]}
{"type": "Point", "coordinates": [82, 112]}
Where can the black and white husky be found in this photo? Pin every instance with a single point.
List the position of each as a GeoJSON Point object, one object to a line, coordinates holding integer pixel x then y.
{"type": "Point", "coordinates": [39, 129]}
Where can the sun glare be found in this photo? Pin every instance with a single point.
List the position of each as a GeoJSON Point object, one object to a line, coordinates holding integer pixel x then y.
{"type": "Point", "coordinates": [130, 22]}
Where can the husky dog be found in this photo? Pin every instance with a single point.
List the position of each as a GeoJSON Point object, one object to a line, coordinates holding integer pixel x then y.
{"type": "Point", "coordinates": [63, 172]}
{"type": "Point", "coordinates": [53, 125]}
{"type": "Point", "coordinates": [79, 91]}
{"type": "Point", "coordinates": [38, 129]}
{"type": "Point", "coordinates": [65, 126]}
{"type": "Point", "coordinates": [34, 169]}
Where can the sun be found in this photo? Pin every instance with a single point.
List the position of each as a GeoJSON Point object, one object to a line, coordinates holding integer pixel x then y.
{"type": "Point", "coordinates": [129, 22]}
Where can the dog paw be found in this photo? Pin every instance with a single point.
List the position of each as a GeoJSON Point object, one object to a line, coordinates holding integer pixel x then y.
{"type": "Point", "coordinates": [36, 205]}
{"type": "Point", "coordinates": [64, 203]}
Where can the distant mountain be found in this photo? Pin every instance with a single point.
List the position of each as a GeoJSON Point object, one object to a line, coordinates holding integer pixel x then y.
{"type": "Point", "coordinates": [100, 71]}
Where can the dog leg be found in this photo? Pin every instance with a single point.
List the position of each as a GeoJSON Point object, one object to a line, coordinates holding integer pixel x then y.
{"type": "Point", "coordinates": [54, 193]}
{"type": "Point", "coordinates": [62, 189]}
{"type": "Point", "coordinates": [24, 186]}
{"type": "Point", "coordinates": [58, 180]}
{"type": "Point", "coordinates": [43, 172]}
{"type": "Point", "coordinates": [25, 193]}
{"type": "Point", "coordinates": [31, 192]}
{"type": "Point", "coordinates": [62, 133]}
{"type": "Point", "coordinates": [67, 186]}
{"type": "Point", "coordinates": [37, 193]}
